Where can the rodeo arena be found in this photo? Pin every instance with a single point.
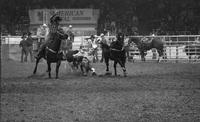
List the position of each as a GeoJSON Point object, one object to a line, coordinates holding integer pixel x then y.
{"type": "Point", "coordinates": [69, 65]}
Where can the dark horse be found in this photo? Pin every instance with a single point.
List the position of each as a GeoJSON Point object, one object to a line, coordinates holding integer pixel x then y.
{"type": "Point", "coordinates": [115, 52]}
{"type": "Point", "coordinates": [52, 53]}
{"type": "Point", "coordinates": [144, 46]}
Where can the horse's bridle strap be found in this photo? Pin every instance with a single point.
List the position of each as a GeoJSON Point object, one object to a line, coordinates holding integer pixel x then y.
{"type": "Point", "coordinates": [51, 50]}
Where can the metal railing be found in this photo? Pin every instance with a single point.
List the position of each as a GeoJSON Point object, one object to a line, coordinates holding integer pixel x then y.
{"type": "Point", "coordinates": [175, 46]}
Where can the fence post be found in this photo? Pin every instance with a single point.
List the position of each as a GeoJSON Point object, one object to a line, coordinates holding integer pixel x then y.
{"type": "Point", "coordinates": [177, 50]}
{"type": "Point", "coordinates": [170, 48]}
{"type": "Point", "coordinates": [188, 49]}
{"type": "Point", "coordinates": [177, 54]}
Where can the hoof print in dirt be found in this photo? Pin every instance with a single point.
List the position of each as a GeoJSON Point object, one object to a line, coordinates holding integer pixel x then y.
{"type": "Point", "coordinates": [101, 75]}
{"type": "Point", "coordinates": [108, 73]}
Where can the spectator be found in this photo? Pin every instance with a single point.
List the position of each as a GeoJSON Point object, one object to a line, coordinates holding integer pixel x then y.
{"type": "Point", "coordinates": [42, 34]}
{"type": "Point", "coordinates": [93, 47]}
{"type": "Point", "coordinates": [29, 41]}
{"type": "Point", "coordinates": [23, 46]}
{"type": "Point", "coordinates": [70, 39]}
{"type": "Point", "coordinates": [103, 40]}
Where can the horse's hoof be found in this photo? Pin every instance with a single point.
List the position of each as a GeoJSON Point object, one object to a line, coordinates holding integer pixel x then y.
{"type": "Point", "coordinates": [94, 74]}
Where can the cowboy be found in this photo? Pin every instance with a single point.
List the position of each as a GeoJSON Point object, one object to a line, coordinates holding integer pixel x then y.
{"type": "Point", "coordinates": [93, 47]}
{"type": "Point", "coordinates": [53, 29]}
{"type": "Point", "coordinates": [23, 46]}
{"type": "Point", "coordinates": [29, 42]}
{"type": "Point", "coordinates": [42, 34]}
{"type": "Point", "coordinates": [103, 40]}
{"type": "Point", "coordinates": [70, 39]}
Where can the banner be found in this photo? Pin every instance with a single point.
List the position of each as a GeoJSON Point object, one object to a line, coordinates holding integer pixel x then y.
{"type": "Point", "coordinates": [69, 16]}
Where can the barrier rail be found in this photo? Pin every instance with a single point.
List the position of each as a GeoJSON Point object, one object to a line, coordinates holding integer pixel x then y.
{"type": "Point", "coordinates": [174, 46]}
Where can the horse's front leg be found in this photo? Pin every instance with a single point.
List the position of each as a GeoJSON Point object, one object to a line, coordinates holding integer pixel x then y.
{"type": "Point", "coordinates": [36, 64]}
{"type": "Point", "coordinates": [115, 67]}
{"type": "Point", "coordinates": [26, 56]}
{"type": "Point", "coordinates": [107, 64]}
{"type": "Point", "coordinates": [57, 68]}
{"type": "Point", "coordinates": [160, 53]}
{"type": "Point", "coordinates": [49, 69]}
{"type": "Point", "coordinates": [142, 56]}
{"type": "Point", "coordinates": [122, 64]}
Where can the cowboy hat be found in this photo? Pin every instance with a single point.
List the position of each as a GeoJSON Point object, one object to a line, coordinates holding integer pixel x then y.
{"type": "Point", "coordinates": [44, 25]}
{"type": "Point", "coordinates": [102, 34]}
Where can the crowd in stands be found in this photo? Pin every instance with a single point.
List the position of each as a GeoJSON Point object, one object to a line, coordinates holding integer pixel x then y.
{"type": "Point", "coordinates": [152, 16]}
{"type": "Point", "coordinates": [129, 16]}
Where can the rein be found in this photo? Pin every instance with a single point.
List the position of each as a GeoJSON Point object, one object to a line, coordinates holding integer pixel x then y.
{"type": "Point", "coordinates": [117, 49]}
{"type": "Point", "coordinates": [51, 50]}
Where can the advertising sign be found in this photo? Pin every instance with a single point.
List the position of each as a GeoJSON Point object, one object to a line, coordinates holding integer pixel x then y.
{"type": "Point", "coordinates": [69, 16]}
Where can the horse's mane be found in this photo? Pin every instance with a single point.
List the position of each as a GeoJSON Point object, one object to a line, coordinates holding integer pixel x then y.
{"type": "Point", "coordinates": [105, 45]}
{"type": "Point", "coordinates": [117, 45]}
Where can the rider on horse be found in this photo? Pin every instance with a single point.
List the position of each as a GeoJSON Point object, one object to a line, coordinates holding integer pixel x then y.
{"type": "Point", "coordinates": [53, 29]}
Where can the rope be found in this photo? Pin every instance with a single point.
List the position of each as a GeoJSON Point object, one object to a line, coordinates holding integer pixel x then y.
{"type": "Point", "coordinates": [51, 50]}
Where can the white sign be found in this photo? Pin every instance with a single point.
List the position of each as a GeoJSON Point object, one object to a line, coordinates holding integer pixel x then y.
{"type": "Point", "coordinates": [69, 16]}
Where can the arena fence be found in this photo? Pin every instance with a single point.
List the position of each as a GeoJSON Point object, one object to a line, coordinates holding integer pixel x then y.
{"type": "Point", "coordinates": [174, 47]}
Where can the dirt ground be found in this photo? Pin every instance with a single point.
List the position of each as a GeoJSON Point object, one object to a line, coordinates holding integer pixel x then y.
{"type": "Point", "coordinates": [164, 92]}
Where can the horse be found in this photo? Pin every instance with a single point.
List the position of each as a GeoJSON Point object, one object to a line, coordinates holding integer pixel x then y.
{"type": "Point", "coordinates": [52, 53]}
{"type": "Point", "coordinates": [192, 50]}
{"type": "Point", "coordinates": [144, 46]}
{"type": "Point", "coordinates": [115, 52]}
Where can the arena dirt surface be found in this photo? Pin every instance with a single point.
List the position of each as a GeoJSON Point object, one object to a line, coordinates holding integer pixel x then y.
{"type": "Point", "coordinates": [165, 92]}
